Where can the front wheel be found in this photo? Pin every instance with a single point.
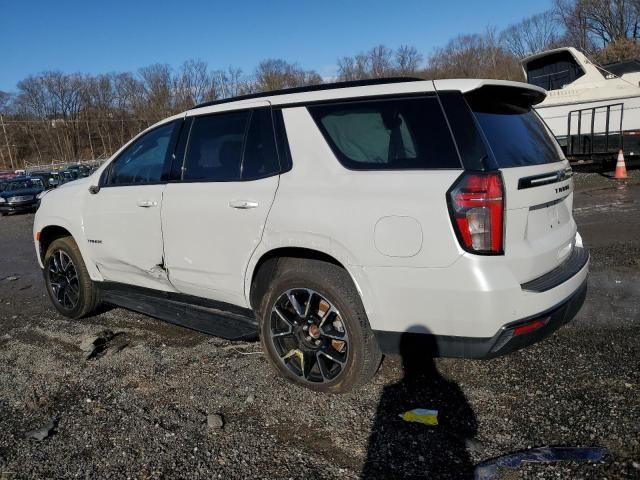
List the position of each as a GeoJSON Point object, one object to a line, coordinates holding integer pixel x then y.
{"type": "Point", "coordinates": [69, 286]}
{"type": "Point", "coordinates": [314, 329]}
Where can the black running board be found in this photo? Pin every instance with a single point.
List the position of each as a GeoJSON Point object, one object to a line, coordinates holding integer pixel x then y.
{"type": "Point", "coordinates": [207, 316]}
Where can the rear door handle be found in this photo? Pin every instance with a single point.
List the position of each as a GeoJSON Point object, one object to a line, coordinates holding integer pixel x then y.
{"type": "Point", "coordinates": [146, 203]}
{"type": "Point", "coordinates": [243, 204]}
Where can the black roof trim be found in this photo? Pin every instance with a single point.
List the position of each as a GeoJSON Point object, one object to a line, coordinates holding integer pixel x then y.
{"type": "Point", "coordinates": [312, 88]}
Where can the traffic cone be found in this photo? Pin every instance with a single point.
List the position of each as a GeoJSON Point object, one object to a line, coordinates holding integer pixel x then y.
{"type": "Point", "coordinates": [621, 168]}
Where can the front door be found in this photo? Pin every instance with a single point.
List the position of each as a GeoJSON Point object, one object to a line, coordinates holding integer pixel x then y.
{"type": "Point", "coordinates": [214, 217]}
{"type": "Point", "coordinates": [122, 220]}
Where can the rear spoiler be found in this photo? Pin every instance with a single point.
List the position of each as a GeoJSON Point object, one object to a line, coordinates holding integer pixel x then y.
{"type": "Point", "coordinates": [521, 97]}
{"type": "Point", "coordinates": [503, 91]}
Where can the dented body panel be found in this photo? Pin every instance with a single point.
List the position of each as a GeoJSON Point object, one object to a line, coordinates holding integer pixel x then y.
{"type": "Point", "coordinates": [125, 238]}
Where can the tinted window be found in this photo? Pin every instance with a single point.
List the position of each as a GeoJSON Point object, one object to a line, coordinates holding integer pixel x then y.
{"type": "Point", "coordinates": [215, 147]}
{"type": "Point", "coordinates": [144, 160]}
{"type": "Point", "coordinates": [260, 156]}
{"type": "Point", "coordinates": [466, 133]}
{"type": "Point", "coordinates": [553, 71]}
{"type": "Point", "coordinates": [388, 134]}
{"type": "Point", "coordinates": [516, 135]}
{"type": "Point", "coordinates": [284, 154]}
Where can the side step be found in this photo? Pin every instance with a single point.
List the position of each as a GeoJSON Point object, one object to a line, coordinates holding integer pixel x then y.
{"type": "Point", "coordinates": [207, 316]}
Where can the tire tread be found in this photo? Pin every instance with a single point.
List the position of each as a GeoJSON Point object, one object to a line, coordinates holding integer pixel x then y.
{"type": "Point", "coordinates": [337, 278]}
{"type": "Point", "coordinates": [89, 296]}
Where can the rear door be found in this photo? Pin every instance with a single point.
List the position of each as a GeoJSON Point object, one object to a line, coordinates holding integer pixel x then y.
{"type": "Point", "coordinates": [539, 227]}
{"type": "Point", "coordinates": [214, 215]}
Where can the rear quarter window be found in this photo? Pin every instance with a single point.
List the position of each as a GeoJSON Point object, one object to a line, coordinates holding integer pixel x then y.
{"type": "Point", "coordinates": [394, 134]}
{"type": "Point", "coordinates": [516, 135]}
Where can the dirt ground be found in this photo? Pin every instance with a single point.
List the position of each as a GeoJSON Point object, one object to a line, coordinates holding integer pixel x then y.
{"type": "Point", "coordinates": [139, 407]}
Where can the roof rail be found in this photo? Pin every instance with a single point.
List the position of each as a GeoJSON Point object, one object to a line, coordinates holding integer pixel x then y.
{"type": "Point", "coordinates": [312, 88]}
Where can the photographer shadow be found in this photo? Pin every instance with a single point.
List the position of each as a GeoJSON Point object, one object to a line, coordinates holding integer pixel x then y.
{"type": "Point", "coordinates": [399, 449]}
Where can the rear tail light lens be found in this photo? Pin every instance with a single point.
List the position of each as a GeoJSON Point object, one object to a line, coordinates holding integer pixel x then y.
{"type": "Point", "coordinates": [477, 209]}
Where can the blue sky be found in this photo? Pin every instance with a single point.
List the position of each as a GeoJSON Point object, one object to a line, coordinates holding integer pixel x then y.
{"type": "Point", "coordinates": [96, 37]}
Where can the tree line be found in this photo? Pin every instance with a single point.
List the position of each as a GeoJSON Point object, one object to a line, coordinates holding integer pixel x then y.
{"type": "Point", "coordinates": [59, 116]}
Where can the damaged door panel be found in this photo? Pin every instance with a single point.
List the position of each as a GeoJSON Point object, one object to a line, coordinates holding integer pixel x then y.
{"type": "Point", "coordinates": [131, 248]}
{"type": "Point", "coordinates": [122, 217]}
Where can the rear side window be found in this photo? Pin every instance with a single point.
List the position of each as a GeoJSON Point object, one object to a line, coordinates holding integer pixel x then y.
{"type": "Point", "coordinates": [215, 147]}
{"type": "Point", "coordinates": [516, 134]}
{"type": "Point", "coordinates": [395, 134]}
{"type": "Point", "coordinates": [229, 147]}
{"type": "Point", "coordinates": [260, 156]}
{"type": "Point", "coordinates": [284, 154]}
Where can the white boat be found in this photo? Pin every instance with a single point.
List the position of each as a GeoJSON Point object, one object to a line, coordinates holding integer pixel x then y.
{"type": "Point", "coordinates": [592, 110]}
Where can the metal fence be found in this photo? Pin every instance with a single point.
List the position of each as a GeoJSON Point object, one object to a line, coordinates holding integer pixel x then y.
{"type": "Point", "coordinates": [58, 165]}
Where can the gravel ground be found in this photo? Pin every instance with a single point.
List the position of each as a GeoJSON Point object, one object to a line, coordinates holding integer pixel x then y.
{"type": "Point", "coordinates": [149, 402]}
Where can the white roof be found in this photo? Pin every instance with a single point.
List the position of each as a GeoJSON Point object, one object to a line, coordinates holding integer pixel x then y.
{"type": "Point", "coordinates": [462, 85]}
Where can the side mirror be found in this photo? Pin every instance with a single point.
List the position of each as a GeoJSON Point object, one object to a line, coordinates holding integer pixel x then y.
{"type": "Point", "coordinates": [93, 189]}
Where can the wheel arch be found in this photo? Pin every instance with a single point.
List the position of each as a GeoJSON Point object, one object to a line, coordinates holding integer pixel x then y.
{"type": "Point", "coordinates": [48, 235]}
{"type": "Point", "coordinates": [264, 266]}
{"type": "Point", "coordinates": [52, 231]}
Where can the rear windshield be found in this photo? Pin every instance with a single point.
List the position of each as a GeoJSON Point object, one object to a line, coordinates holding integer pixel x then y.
{"type": "Point", "coordinates": [516, 135]}
{"type": "Point", "coordinates": [395, 134]}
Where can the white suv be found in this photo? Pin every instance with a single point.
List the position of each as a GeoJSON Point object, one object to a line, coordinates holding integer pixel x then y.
{"type": "Point", "coordinates": [332, 221]}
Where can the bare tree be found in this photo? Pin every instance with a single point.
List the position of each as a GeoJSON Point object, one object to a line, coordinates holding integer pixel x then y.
{"type": "Point", "coordinates": [157, 101]}
{"type": "Point", "coordinates": [194, 84]}
{"type": "Point", "coordinates": [230, 82]}
{"type": "Point", "coordinates": [275, 74]}
{"type": "Point", "coordinates": [611, 20]}
{"type": "Point", "coordinates": [533, 34]}
{"type": "Point", "coordinates": [407, 61]}
{"type": "Point", "coordinates": [593, 24]}
{"type": "Point", "coordinates": [381, 62]}
{"type": "Point", "coordinates": [354, 68]}
{"type": "Point", "coordinates": [378, 62]}
{"type": "Point", "coordinates": [573, 18]}
{"type": "Point", "coordinates": [473, 56]}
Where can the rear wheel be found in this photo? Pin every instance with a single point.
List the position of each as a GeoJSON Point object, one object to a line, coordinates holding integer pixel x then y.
{"type": "Point", "coordinates": [69, 286]}
{"type": "Point", "coordinates": [314, 328]}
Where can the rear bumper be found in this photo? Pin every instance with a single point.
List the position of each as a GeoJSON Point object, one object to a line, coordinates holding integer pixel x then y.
{"type": "Point", "coordinates": [504, 341]}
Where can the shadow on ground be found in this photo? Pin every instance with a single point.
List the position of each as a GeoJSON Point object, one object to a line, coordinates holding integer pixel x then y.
{"type": "Point", "coordinates": [399, 449]}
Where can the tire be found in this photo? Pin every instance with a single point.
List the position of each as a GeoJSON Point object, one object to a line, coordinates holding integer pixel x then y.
{"type": "Point", "coordinates": [69, 286]}
{"type": "Point", "coordinates": [340, 351]}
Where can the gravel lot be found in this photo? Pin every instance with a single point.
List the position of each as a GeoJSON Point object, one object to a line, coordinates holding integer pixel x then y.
{"type": "Point", "coordinates": [139, 408]}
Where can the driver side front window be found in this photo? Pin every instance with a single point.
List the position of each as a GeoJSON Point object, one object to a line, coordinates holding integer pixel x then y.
{"type": "Point", "coordinates": [143, 161]}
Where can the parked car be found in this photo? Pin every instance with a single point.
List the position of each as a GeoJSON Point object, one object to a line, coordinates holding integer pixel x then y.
{"type": "Point", "coordinates": [54, 179]}
{"type": "Point", "coordinates": [334, 221]}
{"type": "Point", "coordinates": [79, 170]}
{"type": "Point", "coordinates": [46, 178]}
{"type": "Point", "coordinates": [4, 176]}
{"type": "Point", "coordinates": [67, 176]}
{"type": "Point", "coordinates": [20, 194]}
